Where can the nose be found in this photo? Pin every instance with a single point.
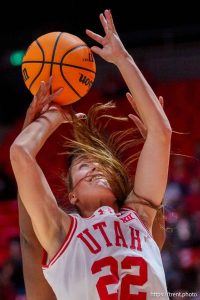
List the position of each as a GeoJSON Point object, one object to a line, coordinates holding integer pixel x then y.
{"type": "Point", "coordinates": [95, 166]}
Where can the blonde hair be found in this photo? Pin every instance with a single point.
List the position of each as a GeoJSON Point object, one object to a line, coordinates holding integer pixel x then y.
{"type": "Point", "coordinates": [92, 140]}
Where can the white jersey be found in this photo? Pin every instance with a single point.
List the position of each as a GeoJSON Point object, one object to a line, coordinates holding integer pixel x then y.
{"type": "Point", "coordinates": [108, 256]}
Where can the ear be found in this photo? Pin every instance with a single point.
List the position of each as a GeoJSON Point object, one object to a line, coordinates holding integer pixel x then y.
{"type": "Point", "coordinates": [72, 198]}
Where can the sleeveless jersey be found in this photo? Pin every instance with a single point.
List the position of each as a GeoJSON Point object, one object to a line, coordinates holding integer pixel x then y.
{"type": "Point", "coordinates": [108, 256]}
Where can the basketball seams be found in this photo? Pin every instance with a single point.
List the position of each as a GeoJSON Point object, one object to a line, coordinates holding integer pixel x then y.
{"type": "Point", "coordinates": [72, 49]}
{"type": "Point", "coordinates": [79, 67]}
{"type": "Point", "coordinates": [53, 55]}
{"type": "Point", "coordinates": [43, 56]}
{"type": "Point", "coordinates": [57, 63]}
{"type": "Point", "coordinates": [76, 67]}
{"type": "Point", "coordinates": [69, 84]}
{"type": "Point", "coordinates": [61, 66]}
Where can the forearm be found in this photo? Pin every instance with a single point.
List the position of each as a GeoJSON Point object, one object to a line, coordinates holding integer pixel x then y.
{"type": "Point", "coordinates": [147, 103]}
{"type": "Point", "coordinates": [33, 137]}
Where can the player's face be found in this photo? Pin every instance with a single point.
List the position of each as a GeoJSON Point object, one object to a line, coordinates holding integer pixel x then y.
{"type": "Point", "coordinates": [89, 182]}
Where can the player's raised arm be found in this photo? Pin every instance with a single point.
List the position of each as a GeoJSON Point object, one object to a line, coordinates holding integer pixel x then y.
{"type": "Point", "coordinates": [158, 227]}
{"type": "Point", "coordinates": [36, 285]}
{"type": "Point", "coordinates": [152, 168]}
{"type": "Point", "coordinates": [33, 187]}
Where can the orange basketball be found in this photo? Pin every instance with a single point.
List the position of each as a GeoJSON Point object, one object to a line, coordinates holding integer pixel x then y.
{"type": "Point", "coordinates": [67, 58]}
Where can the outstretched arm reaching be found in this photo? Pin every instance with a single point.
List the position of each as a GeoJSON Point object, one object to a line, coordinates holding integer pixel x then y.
{"type": "Point", "coordinates": [36, 285]}
{"type": "Point", "coordinates": [158, 227]}
{"type": "Point", "coordinates": [152, 167]}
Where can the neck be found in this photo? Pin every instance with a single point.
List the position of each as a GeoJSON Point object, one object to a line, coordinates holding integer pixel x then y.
{"type": "Point", "coordinates": [89, 211]}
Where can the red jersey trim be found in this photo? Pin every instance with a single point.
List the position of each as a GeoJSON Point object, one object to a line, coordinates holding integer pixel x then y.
{"type": "Point", "coordinates": [90, 217]}
{"type": "Point", "coordinates": [63, 247]}
{"type": "Point", "coordinates": [126, 208]}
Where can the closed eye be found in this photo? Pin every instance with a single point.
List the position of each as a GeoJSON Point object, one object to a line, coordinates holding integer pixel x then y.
{"type": "Point", "coordinates": [84, 165]}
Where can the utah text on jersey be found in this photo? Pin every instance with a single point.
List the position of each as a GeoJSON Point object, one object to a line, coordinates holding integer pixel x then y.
{"type": "Point", "coordinates": [107, 256]}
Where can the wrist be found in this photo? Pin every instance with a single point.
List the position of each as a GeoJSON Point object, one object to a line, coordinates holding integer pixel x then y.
{"type": "Point", "coordinates": [122, 59]}
{"type": "Point", "coordinates": [55, 116]}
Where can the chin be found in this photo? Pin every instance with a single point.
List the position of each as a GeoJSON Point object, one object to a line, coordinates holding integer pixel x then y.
{"type": "Point", "coordinates": [104, 193]}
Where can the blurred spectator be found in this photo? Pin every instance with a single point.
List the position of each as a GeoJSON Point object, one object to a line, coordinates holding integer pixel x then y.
{"type": "Point", "coordinates": [180, 173]}
{"type": "Point", "coordinates": [7, 288]}
{"type": "Point", "coordinates": [15, 258]}
{"type": "Point", "coordinates": [11, 273]}
{"type": "Point", "coordinates": [173, 194]}
{"type": "Point", "coordinates": [192, 201]}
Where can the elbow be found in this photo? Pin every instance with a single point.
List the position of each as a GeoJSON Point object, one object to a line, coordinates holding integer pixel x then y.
{"type": "Point", "coordinates": [165, 127]}
{"type": "Point", "coordinates": [167, 131]}
{"type": "Point", "coordinates": [15, 153]}
{"type": "Point", "coordinates": [163, 132]}
{"type": "Point", "coordinates": [165, 135]}
{"type": "Point", "coordinates": [18, 154]}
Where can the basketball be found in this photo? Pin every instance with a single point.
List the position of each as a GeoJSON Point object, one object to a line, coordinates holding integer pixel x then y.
{"type": "Point", "coordinates": [64, 56]}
